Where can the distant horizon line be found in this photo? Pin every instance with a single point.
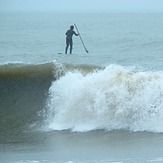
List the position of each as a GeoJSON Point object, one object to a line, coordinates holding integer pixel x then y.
{"type": "Point", "coordinates": [86, 12]}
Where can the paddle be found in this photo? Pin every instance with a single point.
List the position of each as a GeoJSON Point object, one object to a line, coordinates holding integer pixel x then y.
{"type": "Point", "coordinates": [81, 38]}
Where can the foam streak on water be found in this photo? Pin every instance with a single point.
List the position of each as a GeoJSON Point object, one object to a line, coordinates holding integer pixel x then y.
{"type": "Point", "coordinates": [114, 98]}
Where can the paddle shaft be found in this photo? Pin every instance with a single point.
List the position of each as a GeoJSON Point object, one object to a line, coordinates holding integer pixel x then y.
{"type": "Point", "coordinates": [81, 38]}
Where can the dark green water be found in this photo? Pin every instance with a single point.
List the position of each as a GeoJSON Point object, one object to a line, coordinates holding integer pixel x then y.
{"type": "Point", "coordinates": [23, 91]}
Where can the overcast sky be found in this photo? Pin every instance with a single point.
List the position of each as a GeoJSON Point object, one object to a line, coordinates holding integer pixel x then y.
{"type": "Point", "coordinates": [83, 5]}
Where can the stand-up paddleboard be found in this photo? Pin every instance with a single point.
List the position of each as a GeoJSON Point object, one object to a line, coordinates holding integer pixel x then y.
{"type": "Point", "coordinates": [80, 39]}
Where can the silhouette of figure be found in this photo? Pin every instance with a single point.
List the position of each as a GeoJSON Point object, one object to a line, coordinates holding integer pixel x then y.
{"type": "Point", "coordinates": [69, 41]}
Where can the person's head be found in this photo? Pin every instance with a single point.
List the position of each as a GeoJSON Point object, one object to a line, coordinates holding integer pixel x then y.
{"type": "Point", "coordinates": [71, 27]}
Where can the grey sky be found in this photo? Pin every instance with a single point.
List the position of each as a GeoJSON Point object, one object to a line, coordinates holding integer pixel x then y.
{"type": "Point", "coordinates": [83, 5]}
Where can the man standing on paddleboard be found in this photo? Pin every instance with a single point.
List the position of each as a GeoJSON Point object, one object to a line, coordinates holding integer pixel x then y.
{"type": "Point", "coordinates": [69, 41]}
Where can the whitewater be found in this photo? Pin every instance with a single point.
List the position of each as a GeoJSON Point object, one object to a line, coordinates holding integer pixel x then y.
{"type": "Point", "coordinates": [113, 98]}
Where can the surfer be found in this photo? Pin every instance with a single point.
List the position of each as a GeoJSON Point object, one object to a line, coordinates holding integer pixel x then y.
{"type": "Point", "coordinates": [69, 41]}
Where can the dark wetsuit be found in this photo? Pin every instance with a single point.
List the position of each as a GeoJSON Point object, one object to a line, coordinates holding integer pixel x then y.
{"type": "Point", "coordinates": [69, 41]}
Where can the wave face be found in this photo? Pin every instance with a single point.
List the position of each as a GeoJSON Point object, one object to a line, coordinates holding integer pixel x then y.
{"type": "Point", "coordinates": [23, 93]}
{"type": "Point", "coordinates": [113, 98]}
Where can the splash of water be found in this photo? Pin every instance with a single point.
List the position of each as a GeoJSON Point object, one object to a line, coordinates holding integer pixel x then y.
{"type": "Point", "coordinates": [114, 98]}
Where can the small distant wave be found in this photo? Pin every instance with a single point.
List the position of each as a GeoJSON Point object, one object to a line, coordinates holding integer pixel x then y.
{"type": "Point", "coordinates": [113, 98]}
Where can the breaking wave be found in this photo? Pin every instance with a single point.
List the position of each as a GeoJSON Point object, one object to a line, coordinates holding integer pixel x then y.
{"type": "Point", "coordinates": [113, 98]}
{"type": "Point", "coordinates": [80, 97]}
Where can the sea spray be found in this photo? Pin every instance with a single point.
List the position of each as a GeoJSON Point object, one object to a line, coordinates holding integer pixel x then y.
{"type": "Point", "coordinates": [113, 98]}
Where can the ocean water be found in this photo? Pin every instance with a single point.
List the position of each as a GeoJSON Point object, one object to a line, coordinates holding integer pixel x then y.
{"type": "Point", "coordinates": [102, 106]}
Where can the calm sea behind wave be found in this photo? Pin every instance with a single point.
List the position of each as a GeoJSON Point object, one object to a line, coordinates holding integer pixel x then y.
{"type": "Point", "coordinates": [125, 39]}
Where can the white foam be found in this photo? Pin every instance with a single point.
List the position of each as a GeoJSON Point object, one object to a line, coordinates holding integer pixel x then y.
{"type": "Point", "coordinates": [113, 98]}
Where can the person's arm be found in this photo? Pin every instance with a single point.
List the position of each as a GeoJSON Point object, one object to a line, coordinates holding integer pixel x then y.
{"type": "Point", "coordinates": [75, 33]}
{"type": "Point", "coordinates": [66, 33]}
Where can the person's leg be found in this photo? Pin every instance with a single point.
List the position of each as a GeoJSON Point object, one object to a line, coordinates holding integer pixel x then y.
{"type": "Point", "coordinates": [71, 46]}
{"type": "Point", "coordinates": [67, 45]}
